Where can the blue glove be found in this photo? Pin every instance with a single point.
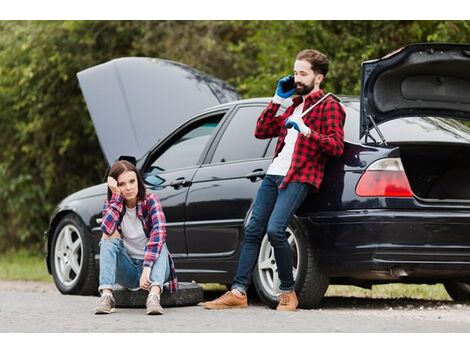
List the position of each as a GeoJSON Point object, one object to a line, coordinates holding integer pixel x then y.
{"type": "Point", "coordinates": [281, 93]}
{"type": "Point", "coordinates": [298, 124]}
{"type": "Point", "coordinates": [289, 124]}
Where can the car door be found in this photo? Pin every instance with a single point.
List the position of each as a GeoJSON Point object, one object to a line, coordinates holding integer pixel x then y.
{"type": "Point", "coordinates": [169, 171]}
{"type": "Point", "coordinates": [224, 187]}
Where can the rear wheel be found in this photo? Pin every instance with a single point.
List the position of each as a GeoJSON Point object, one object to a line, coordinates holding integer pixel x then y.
{"type": "Point", "coordinates": [310, 282]}
{"type": "Point", "coordinates": [72, 258]}
{"type": "Point", "coordinates": [458, 290]}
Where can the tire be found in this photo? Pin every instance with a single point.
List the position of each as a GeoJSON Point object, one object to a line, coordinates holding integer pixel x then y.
{"type": "Point", "coordinates": [458, 290]}
{"type": "Point", "coordinates": [310, 282]}
{"type": "Point", "coordinates": [188, 294]}
{"type": "Point", "coordinates": [72, 258]}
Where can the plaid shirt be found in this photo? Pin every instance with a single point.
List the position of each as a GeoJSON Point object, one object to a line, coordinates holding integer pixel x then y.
{"type": "Point", "coordinates": [326, 122]}
{"type": "Point", "coordinates": [150, 213]}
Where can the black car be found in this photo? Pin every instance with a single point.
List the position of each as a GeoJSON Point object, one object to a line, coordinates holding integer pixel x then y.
{"type": "Point", "coordinates": [394, 208]}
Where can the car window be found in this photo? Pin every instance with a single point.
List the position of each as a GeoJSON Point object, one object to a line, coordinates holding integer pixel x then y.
{"type": "Point", "coordinates": [186, 150]}
{"type": "Point", "coordinates": [351, 124]}
{"type": "Point", "coordinates": [271, 148]}
{"type": "Point", "coordinates": [423, 129]}
{"type": "Point", "coordinates": [238, 141]}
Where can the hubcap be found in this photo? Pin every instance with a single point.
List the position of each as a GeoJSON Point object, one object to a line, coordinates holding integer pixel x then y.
{"type": "Point", "coordinates": [68, 255]}
{"type": "Point", "coordinates": [267, 267]}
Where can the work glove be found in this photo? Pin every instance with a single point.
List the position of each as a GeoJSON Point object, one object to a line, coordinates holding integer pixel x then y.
{"type": "Point", "coordinates": [298, 124]}
{"type": "Point", "coordinates": [285, 89]}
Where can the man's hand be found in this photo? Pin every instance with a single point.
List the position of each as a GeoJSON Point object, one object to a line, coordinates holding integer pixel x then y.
{"type": "Point", "coordinates": [281, 93]}
{"type": "Point", "coordinates": [145, 278]}
{"type": "Point", "coordinates": [298, 124]}
{"type": "Point", "coordinates": [112, 184]}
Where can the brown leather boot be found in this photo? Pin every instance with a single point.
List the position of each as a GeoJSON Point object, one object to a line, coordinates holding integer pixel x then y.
{"type": "Point", "coordinates": [227, 300]}
{"type": "Point", "coordinates": [288, 302]}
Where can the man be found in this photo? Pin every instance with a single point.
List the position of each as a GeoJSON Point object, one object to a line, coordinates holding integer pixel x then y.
{"type": "Point", "coordinates": [297, 168]}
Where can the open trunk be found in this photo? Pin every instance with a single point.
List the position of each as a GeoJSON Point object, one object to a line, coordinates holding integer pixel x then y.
{"type": "Point", "coordinates": [437, 171]}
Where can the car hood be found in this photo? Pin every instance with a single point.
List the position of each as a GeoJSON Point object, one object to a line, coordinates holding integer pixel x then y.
{"type": "Point", "coordinates": [421, 79]}
{"type": "Point", "coordinates": [134, 102]}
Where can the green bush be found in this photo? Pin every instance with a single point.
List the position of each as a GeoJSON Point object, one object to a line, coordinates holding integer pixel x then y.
{"type": "Point", "coordinates": [48, 147]}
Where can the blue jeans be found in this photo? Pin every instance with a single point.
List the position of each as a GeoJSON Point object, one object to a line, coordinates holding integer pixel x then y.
{"type": "Point", "coordinates": [272, 212]}
{"type": "Point", "coordinates": [116, 267]}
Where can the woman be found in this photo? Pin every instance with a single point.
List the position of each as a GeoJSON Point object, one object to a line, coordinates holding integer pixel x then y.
{"type": "Point", "coordinates": [133, 251]}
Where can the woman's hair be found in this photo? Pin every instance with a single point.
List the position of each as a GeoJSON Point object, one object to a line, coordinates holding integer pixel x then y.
{"type": "Point", "coordinates": [121, 166]}
{"type": "Point", "coordinates": [318, 60]}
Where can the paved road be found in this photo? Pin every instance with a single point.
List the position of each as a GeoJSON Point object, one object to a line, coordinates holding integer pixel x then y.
{"type": "Point", "coordinates": [46, 310]}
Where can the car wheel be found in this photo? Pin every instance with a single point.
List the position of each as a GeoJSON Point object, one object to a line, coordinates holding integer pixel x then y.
{"type": "Point", "coordinates": [310, 282]}
{"type": "Point", "coordinates": [188, 294]}
{"type": "Point", "coordinates": [72, 258]}
{"type": "Point", "coordinates": [458, 290]}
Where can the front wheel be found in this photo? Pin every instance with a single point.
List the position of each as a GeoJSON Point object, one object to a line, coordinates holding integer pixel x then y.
{"type": "Point", "coordinates": [310, 282]}
{"type": "Point", "coordinates": [72, 258]}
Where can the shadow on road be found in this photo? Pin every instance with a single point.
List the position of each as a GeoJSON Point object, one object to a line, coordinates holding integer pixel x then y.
{"type": "Point", "coordinates": [364, 303]}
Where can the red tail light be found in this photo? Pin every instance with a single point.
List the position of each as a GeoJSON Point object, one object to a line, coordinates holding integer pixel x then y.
{"type": "Point", "coordinates": [384, 178]}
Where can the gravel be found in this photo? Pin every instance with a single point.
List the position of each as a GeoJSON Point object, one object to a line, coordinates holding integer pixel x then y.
{"type": "Point", "coordinates": [39, 307]}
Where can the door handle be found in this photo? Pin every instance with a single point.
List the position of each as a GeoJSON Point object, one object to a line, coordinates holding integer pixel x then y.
{"type": "Point", "coordinates": [255, 174]}
{"type": "Point", "coordinates": [180, 182]}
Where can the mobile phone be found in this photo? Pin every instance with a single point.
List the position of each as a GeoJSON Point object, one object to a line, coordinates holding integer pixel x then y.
{"type": "Point", "coordinates": [288, 84]}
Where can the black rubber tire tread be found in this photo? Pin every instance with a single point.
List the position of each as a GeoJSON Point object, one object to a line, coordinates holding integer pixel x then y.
{"type": "Point", "coordinates": [458, 290]}
{"type": "Point", "coordinates": [188, 294]}
{"type": "Point", "coordinates": [311, 283]}
{"type": "Point", "coordinates": [87, 284]}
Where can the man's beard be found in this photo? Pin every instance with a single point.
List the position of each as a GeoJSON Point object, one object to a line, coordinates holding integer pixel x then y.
{"type": "Point", "coordinates": [302, 89]}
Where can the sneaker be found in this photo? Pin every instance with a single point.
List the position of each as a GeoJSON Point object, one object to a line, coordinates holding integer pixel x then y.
{"type": "Point", "coordinates": [153, 305]}
{"type": "Point", "coordinates": [228, 300]}
{"type": "Point", "coordinates": [105, 304]}
{"type": "Point", "coordinates": [288, 302]}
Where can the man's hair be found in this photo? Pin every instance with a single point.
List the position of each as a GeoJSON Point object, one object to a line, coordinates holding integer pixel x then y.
{"type": "Point", "coordinates": [318, 60]}
{"type": "Point", "coordinates": [121, 166]}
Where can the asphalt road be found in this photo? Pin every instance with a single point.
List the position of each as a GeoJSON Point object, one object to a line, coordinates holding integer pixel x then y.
{"type": "Point", "coordinates": [40, 308]}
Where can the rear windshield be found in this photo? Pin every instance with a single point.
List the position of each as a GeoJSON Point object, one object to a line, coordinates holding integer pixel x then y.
{"type": "Point", "coordinates": [424, 129]}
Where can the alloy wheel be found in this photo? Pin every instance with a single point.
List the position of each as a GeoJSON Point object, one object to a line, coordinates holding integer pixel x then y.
{"type": "Point", "coordinates": [267, 267]}
{"type": "Point", "coordinates": [68, 255]}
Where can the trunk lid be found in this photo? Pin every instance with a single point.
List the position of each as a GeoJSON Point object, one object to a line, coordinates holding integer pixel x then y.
{"type": "Point", "coordinates": [417, 80]}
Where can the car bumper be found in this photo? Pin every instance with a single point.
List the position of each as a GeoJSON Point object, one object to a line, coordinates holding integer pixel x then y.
{"type": "Point", "coordinates": [393, 244]}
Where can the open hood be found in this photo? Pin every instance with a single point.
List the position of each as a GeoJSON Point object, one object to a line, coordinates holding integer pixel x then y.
{"type": "Point", "coordinates": [416, 80]}
{"type": "Point", "coordinates": [134, 101]}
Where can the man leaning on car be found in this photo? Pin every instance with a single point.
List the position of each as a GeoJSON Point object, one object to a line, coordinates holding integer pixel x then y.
{"type": "Point", "coordinates": [297, 168]}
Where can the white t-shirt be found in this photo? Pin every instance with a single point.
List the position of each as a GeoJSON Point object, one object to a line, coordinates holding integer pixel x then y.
{"type": "Point", "coordinates": [133, 234]}
{"type": "Point", "coordinates": [282, 161]}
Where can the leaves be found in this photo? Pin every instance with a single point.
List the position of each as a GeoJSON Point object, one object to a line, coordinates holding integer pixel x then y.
{"type": "Point", "coordinates": [48, 147]}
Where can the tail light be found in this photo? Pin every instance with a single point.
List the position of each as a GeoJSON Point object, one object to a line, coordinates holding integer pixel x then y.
{"type": "Point", "coordinates": [384, 178]}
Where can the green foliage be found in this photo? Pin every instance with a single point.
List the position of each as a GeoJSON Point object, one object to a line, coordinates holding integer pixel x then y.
{"type": "Point", "coordinates": [24, 265]}
{"type": "Point", "coordinates": [48, 147]}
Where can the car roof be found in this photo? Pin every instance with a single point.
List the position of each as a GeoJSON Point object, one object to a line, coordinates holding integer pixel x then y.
{"type": "Point", "coordinates": [266, 100]}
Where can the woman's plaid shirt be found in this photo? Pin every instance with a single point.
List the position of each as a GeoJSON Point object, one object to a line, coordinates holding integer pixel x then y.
{"type": "Point", "coordinates": [326, 122]}
{"type": "Point", "coordinates": [150, 213]}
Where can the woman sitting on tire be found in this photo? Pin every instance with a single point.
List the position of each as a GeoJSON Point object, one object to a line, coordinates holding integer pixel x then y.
{"type": "Point", "coordinates": [133, 250]}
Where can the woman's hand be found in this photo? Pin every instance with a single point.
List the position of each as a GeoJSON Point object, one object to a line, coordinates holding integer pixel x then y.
{"type": "Point", "coordinates": [145, 278]}
{"type": "Point", "coordinates": [112, 184]}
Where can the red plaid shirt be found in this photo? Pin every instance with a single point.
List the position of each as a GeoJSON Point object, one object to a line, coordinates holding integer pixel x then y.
{"type": "Point", "coordinates": [150, 213]}
{"type": "Point", "coordinates": [326, 122]}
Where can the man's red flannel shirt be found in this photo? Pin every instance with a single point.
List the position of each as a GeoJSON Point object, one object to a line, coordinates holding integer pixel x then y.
{"type": "Point", "coordinates": [326, 122]}
{"type": "Point", "coordinates": [150, 213]}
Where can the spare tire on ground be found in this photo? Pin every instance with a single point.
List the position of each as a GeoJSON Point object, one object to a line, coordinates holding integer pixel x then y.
{"type": "Point", "coordinates": [188, 294]}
